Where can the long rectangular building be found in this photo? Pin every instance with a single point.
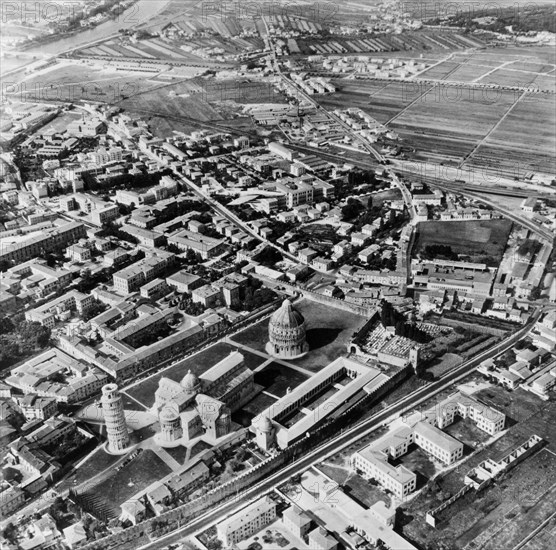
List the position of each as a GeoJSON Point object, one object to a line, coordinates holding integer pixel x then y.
{"type": "Point", "coordinates": [48, 240]}
{"type": "Point", "coordinates": [247, 522]}
{"type": "Point", "coordinates": [207, 247]}
{"type": "Point", "coordinates": [311, 402]}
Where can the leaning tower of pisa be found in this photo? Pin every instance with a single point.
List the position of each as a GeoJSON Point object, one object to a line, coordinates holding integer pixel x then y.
{"type": "Point", "coordinates": [114, 418]}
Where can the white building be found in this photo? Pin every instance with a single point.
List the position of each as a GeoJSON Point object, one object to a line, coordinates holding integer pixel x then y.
{"type": "Point", "coordinates": [247, 522]}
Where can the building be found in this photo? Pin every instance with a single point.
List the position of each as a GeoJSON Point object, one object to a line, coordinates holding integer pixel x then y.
{"type": "Point", "coordinates": [60, 308]}
{"type": "Point", "coordinates": [297, 522]}
{"type": "Point", "coordinates": [188, 480]}
{"type": "Point", "coordinates": [207, 295]}
{"type": "Point", "coordinates": [105, 215]}
{"type": "Point", "coordinates": [286, 332]}
{"type": "Point", "coordinates": [184, 282]}
{"type": "Point", "coordinates": [54, 374]}
{"type": "Point", "coordinates": [229, 381]}
{"type": "Point", "coordinates": [170, 426]}
{"type": "Point", "coordinates": [132, 278]}
{"type": "Point", "coordinates": [155, 289]}
{"type": "Point", "coordinates": [48, 240]}
{"type": "Point", "coordinates": [203, 404]}
{"type": "Point", "coordinates": [133, 511]}
{"type": "Point", "coordinates": [321, 539]}
{"type": "Point", "coordinates": [11, 499]}
{"type": "Point", "coordinates": [206, 247]}
{"type": "Point", "coordinates": [373, 462]}
{"type": "Point", "coordinates": [35, 276]}
{"type": "Point", "coordinates": [114, 418]}
{"type": "Point", "coordinates": [247, 522]}
{"type": "Point", "coordinates": [75, 535]}
{"type": "Point", "coordinates": [435, 442]}
{"type": "Point", "coordinates": [339, 514]}
{"type": "Point", "coordinates": [35, 407]}
{"type": "Point", "coordinates": [486, 418]}
{"type": "Point", "coordinates": [296, 413]}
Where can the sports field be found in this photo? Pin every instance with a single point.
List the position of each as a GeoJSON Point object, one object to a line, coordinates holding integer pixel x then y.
{"type": "Point", "coordinates": [480, 240]}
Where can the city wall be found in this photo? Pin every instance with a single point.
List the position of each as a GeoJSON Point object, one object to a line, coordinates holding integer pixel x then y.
{"type": "Point", "coordinates": [178, 517]}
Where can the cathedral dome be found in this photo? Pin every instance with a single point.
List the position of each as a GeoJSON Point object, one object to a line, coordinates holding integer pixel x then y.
{"type": "Point", "coordinates": [190, 382]}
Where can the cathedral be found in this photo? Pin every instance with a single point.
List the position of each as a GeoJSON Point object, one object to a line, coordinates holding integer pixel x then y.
{"type": "Point", "coordinates": [286, 333]}
{"type": "Point", "coordinates": [202, 405]}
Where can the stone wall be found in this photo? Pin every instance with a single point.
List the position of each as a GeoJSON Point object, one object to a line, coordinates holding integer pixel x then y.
{"type": "Point", "coordinates": [170, 520]}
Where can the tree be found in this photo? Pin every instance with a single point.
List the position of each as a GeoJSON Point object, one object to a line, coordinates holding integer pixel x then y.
{"type": "Point", "coordinates": [10, 532]}
{"type": "Point", "coordinates": [352, 209]}
{"type": "Point", "coordinates": [6, 325]}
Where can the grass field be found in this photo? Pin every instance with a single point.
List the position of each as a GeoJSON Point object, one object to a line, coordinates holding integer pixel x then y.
{"type": "Point", "coordinates": [244, 416]}
{"type": "Point", "coordinates": [178, 453]}
{"type": "Point", "coordinates": [480, 240]}
{"type": "Point", "coordinates": [277, 378]}
{"type": "Point", "coordinates": [355, 486]}
{"type": "Point", "coordinates": [136, 476]}
{"type": "Point", "coordinates": [97, 462]}
{"type": "Point", "coordinates": [328, 334]}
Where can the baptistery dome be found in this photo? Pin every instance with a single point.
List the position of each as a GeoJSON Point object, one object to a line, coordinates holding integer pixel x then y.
{"type": "Point", "coordinates": [286, 332]}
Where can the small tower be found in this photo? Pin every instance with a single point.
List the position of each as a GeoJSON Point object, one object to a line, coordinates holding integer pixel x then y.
{"type": "Point", "coordinates": [114, 418]}
{"type": "Point", "coordinates": [265, 433]}
{"type": "Point", "coordinates": [414, 357]}
{"type": "Point", "coordinates": [171, 430]}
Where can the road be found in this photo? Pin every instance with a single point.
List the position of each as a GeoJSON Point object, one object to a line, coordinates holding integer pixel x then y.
{"type": "Point", "coordinates": [347, 129]}
{"type": "Point", "coordinates": [475, 192]}
{"type": "Point", "coordinates": [343, 440]}
{"type": "Point", "coordinates": [356, 137]}
{"type": "Point", "coordinates": [539, 230]}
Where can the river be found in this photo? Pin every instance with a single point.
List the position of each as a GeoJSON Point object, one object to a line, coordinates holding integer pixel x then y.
{"type": "Point", "coordinates": [141, 11]}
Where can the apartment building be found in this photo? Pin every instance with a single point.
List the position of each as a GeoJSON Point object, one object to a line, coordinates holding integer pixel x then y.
{"type": "Point", "coordinates": [34, 407]}
{"type": "Point", "coordinates": [48, 313]}
{"type": "Point", "coordinates": [105, 215]}
{"type": "Point", "coordinates": [36, 276]}
{"type": "Point", "coordinates": [437, 443]}
{"type": "Point", "coordinates": [131, 278]}
{"type": "Point", "coordinates": [206, 247]}
{"type": "Point", "coordinates": [486, 418]}
{"type": "Point", "coordinates": [50, 239]}
{"type": "Point", "coordinates": [247, 522]}
{"type": "Point", "coordinates": [372, 461]}
{"type": "Point", "coordinates": [184, 282]}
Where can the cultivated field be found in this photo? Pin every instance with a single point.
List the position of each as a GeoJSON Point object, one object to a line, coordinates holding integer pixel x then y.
{"type": "Point", "coordinates": [518, 146]}
{"type": "Point", "coordinates": [444, 122]}
{"type": "Point", "coordinates": [382, 99]}
{"type": "Point", "coordinates": [478, 239]}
